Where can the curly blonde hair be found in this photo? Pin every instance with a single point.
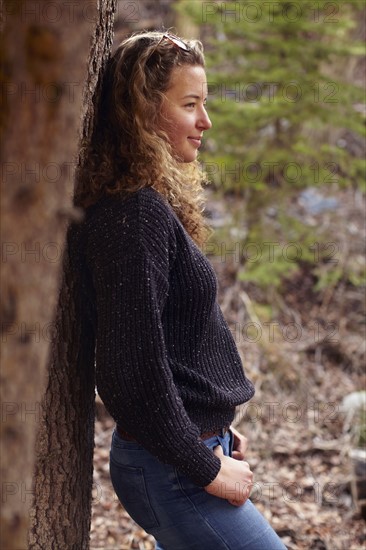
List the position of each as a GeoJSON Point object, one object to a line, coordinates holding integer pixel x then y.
{"type": "Point", "coordinates": [127, 150]}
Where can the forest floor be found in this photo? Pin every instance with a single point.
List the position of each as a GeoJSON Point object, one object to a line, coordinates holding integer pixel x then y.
{"type": "Point", "coordinates": [306, 360]}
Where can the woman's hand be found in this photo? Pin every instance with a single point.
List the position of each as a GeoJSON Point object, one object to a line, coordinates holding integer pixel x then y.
{"type": "Point", "coordinates": [240, 445]}
{"type": "Point", "coordinates": [234, 480]}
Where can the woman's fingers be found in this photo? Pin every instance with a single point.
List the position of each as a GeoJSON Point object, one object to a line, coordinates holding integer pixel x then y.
{"type": "Point", "coordinates": [234, 502]}
{"type": "Point", "coordinates": [240, 444]}
{"type": "Point", "coordinates": [234, 480]}
{"type": "Point", "coordinates": [238, 455]}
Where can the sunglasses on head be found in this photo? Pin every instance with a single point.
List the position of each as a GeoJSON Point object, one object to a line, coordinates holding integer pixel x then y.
{"type": "Point", "coordinates": [178, 42]}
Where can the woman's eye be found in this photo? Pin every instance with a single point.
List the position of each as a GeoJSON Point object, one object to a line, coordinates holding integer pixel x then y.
{"type": "Point", "coordinates": [190, 105]}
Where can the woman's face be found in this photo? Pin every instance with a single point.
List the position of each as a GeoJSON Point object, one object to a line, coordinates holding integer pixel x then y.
{"type": "Point", "coordinates": [183, 114]}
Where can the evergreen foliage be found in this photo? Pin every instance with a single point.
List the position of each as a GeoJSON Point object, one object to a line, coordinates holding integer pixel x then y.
{"type": "Point", "coordinates": [280, 99]}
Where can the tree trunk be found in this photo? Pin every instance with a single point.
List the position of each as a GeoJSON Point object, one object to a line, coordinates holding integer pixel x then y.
{"type": "Point", "coordinates": [46, 84]}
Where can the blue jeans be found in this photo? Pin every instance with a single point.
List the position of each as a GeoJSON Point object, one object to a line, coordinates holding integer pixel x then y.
{"type": "Point", "coordinates": [178, 513]}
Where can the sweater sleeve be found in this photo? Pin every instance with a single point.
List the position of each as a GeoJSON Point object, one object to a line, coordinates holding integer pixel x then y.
{"type": "Point", "coordinates": [133, 374]}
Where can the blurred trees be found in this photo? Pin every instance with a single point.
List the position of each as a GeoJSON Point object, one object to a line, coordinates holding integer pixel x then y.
{"type": "Point", "coordinates": [281, 103]}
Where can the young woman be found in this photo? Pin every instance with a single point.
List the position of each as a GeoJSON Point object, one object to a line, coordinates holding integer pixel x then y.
{"type": "Point", "coordinates": [167, 367]}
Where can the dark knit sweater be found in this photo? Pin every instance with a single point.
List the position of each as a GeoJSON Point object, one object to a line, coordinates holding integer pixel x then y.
{"type": "Point", "coordinates": [167, 366]}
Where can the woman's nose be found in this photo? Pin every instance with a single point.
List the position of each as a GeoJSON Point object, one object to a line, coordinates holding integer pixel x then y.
{"type": "Point", "coordinates": [204, 121]}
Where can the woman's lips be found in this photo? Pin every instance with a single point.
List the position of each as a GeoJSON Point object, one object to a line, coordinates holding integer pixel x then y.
{"type": "Point", "coordinates": [195, 141]}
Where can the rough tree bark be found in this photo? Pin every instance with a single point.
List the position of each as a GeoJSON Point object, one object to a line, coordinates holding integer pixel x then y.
{"type": "Point", "coordinates": [64, 466]}
{"type": "Point", "coordinates": [46, 84]}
